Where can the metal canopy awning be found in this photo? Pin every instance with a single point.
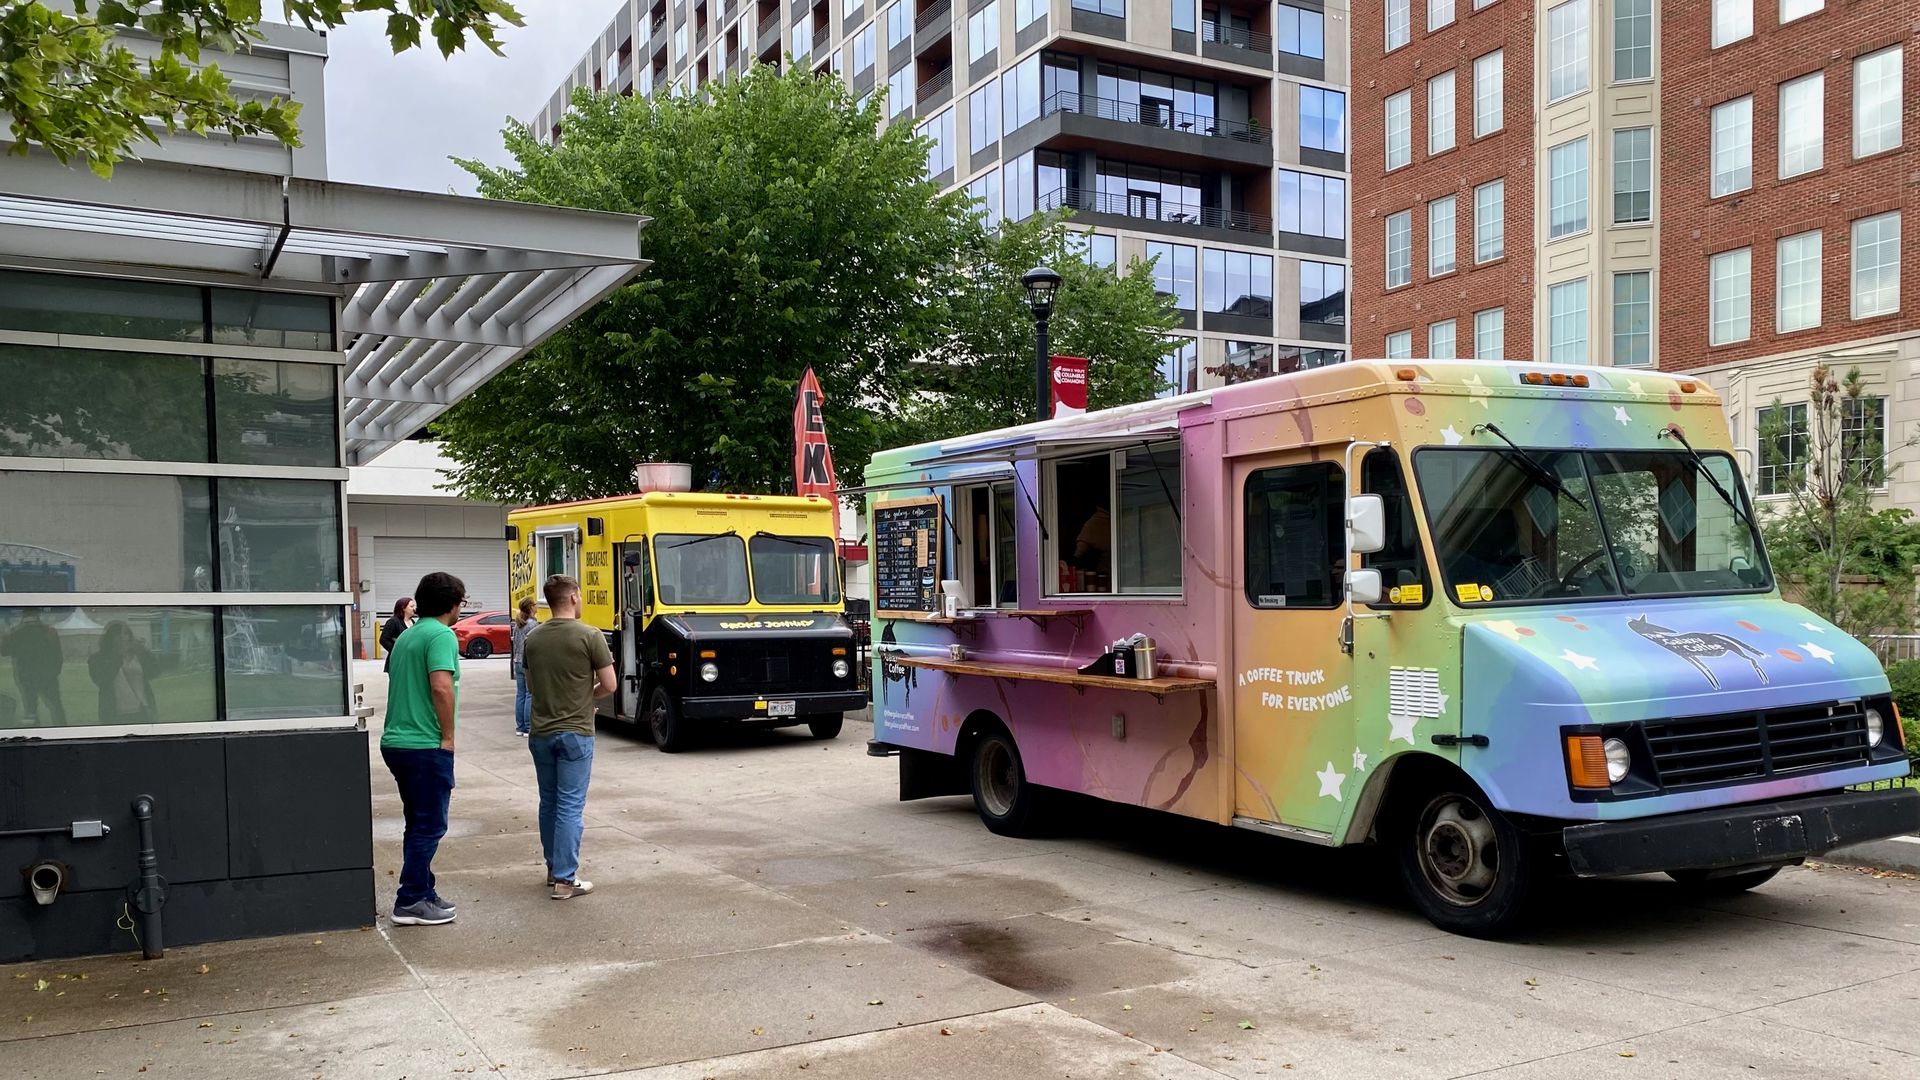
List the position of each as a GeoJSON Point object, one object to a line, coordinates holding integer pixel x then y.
{"type": "Point", "coordinates": [439, 292]}
{"type": "Point", "coordinates": [1121, 426]}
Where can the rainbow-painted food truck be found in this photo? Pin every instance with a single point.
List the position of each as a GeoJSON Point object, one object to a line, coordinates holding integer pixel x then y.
{"type": "Point", "coordinates": [1505, 619]}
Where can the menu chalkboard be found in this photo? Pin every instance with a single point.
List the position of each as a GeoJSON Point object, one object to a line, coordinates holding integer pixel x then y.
{"type": "Point", "coordinates": [906, 558]}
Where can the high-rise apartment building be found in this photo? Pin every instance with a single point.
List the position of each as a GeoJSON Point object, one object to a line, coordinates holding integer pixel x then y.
{"type": "Point", "coordinates": [1702, 185]}
{"type": "Point", "coordinates": [1210, 135]}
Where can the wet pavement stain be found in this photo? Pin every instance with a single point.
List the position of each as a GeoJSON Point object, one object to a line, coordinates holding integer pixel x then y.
{"type": "Point", "coordinates": [1048, 958]}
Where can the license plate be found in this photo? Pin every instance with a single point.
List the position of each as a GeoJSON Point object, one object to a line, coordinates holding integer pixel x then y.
{"type": "Point", "coordinates": [779, 708]}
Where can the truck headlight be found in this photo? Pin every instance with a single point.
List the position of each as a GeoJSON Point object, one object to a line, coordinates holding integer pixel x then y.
{"type": "Point", "coordinates": [1619, 760]}
{"type": "Point", "coordinates": [709, 672]}
{"type": "Point", "coordinates": [1876, 727]}
{"type": "Point", "coordinates": [840, 669]}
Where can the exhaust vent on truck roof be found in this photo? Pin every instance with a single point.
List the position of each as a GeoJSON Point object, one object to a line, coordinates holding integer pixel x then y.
{"type": "Point", "coordinates": [662, 476]}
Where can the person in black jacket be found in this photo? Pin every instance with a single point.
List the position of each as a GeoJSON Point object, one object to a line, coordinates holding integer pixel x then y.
{"type": "Point", "coordinates": [396, 624]}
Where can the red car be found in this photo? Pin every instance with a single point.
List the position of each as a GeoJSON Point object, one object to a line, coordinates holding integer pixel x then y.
{"type": "Point", "coordinates": [484, 633]}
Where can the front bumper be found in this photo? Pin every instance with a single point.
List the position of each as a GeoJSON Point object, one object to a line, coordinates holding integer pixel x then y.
{"type": "Point", "coordinates": [754, 706]}
{"type": "Point", "coordinates": [1752, 834]}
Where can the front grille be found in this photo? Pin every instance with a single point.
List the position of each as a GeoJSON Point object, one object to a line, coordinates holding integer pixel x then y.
{"type": "Point", "coordinates": [1697, 751]}
{"type": "Point", "coordinates": [775, 668]}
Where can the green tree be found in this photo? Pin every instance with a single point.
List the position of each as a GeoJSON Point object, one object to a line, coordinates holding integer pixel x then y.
{"type": "Point", "coordinates": [69, 81]}
{"type": "Point", "coordinates": [788, 229]}
{"type": "Point", "coordinates": [1826, 536]}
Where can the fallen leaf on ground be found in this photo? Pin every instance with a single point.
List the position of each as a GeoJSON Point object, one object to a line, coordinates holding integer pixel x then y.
{"type": "Point", "coordinates": [876, 1001]}
{"type": "Point", "coordinates": [203, 969]}
{"type": "Point", "coordinates": [1246, 1025]}
{"type": "Point", "coordinates": [40, 984]}
{"type": "Point", "coordinates": [946, 1031]}
{"type": "Point", "coordinates": [1626, 1053]}
{"type": "Point", "coordinates": [758, 1031]}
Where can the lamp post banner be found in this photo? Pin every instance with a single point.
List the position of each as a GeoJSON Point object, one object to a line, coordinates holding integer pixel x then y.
{"type": "Point", "coordinates": [812, 458]}
{"type": "Point", "coordinates": [1069, 385]}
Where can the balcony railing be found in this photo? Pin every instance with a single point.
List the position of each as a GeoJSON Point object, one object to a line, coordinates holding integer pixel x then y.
{"type": "Point", "coordinates": [820, 40]}
{"type": "Point", "coordinates": [933, 15]}
{"type": "Point", "coordinates": [700, 37]}
{"type": "Point", "coordinates": [658, 24]}
{"type": "Point", "coordinates": [769, 23]}
{"type": "Point", "coordinates": [1154, 114]}
{"type": "Point", "coordinates": [933, 86]}
{"type": "Point", "coordinates": [1235, 37]}
{"type": "Point", "coordinates": [1134, 205]}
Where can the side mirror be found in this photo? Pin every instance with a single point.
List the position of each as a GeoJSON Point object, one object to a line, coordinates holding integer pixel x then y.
{"type": "Point", "coordinates": [1366, 525]}
{"type": "Point", "coordinates": [1363, 586]}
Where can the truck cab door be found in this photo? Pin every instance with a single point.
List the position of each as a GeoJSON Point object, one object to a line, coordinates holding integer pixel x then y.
{"type": "Point", "coordinates": [636, 614]}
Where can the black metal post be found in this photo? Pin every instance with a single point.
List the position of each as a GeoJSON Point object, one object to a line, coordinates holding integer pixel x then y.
{"type": "Point", "coordinates": [151, 893]}
{"type": "Point", "coordinates": [1042, 369]}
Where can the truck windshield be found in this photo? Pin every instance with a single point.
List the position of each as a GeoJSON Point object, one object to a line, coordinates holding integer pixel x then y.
{"type": "Point", "coordinates": [794, 569]}
{"type": "Point", "coordinates": [1559, 524]}
{"type": "Point", "coordinates": [700, 570]}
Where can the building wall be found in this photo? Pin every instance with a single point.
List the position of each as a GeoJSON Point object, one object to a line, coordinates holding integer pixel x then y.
{"type": "Point", "coordinates": [1509, 153]}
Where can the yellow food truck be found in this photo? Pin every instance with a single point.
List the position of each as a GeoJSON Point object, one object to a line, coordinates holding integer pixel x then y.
{"type": "Point", "coordinates": [718, 608]}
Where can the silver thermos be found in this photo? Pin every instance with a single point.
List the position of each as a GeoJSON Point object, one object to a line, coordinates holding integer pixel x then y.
{"type": "Point", "coordinates": [1144, 654]}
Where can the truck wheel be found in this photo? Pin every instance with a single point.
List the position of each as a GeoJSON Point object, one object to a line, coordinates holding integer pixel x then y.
{"type": "Point", "coordinates": [663, 719]}
{"type": "Point", "coordinates": [1008, 804]}
{"type": "Point", "coordinates": [1467, 868]}
{"type": "Point", "coordinates": [479, 649]}
{"type": "Point", "coordinates": [825, 726]}
{"type": "Point", "coordinates": [1700, 883]}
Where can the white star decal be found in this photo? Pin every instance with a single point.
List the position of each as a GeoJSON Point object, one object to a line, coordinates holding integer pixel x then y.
{"type": "Point", "coordinates": [1813, 627]}
{"type": "Point", "coordinates": [1477, 390]}
{"type": "Point", "coordinates": [1359, 760]}
{"type": "Point", "coordinates": [1451, 436]}
{"type": "Point", "coordinates": [1330, 782]}
{"type": "Point", "coordinates": [1817, 652]}
{"type": "Point", "coordinates": [1633, 387]}
{"type": "Point", "coordinates": [1402, 727]}
{"type": "Point", "coordinates": [1444, 698]}
{"type": "Point", "coordinates": [1584, 663]}
{"type": "Point", "coordinates": [1620, 414]}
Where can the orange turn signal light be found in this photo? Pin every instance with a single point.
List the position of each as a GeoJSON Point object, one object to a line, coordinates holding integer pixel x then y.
{"type": "Point", "coordinates": [839, 652]}
{"type": "Point", "coordinates": [1533, 378]}
{"type": "Point", "coordinates": [1405, 374]}
{"type": "Point", "coordinates": [1579, 380]}
{"type": "Point", "coordinates": [1587, 762]}
{"type": "Point", "coordinates": [708, 654]}
{"type": "Point", "coordinates": [1687, 387]}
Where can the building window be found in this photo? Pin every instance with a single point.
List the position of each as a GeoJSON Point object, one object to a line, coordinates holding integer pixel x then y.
{"type": "Point", "coordinates": [1313, 205]}
{"type": "Point", "coordinates": [983, 31]}
{"type": "Point", "coordinates": [1440, 245]}
{"type": "Point", "coordinates": [863, 49]}
{"type": "Point", "coordinates": [1490, 221]}
{"type": "Point", "coordinates": [1730, 293]}
{"type": "Point", "coordinates": [900, 91]}
{"type": "Point", "coordinates": [1633, 319]}
{"type": "Point", "coordinates": [1632, 176]}
{"type": "Point", "coordinates": [1400, 345]}
{"type": "Point", "coordinates": [1733, 146]}
{"type": "Point", "coordinates": [1183, 15]}
{"type": "Point", "coordinates": [1567, 189]}
{"type": "Point", "coordinates": [1323, 120]}
{"type": "Point", "coordinates": [1302, 32]}
{"type": "Point", "coordinates": [1863, 440]}
{"type": "Point", "coordinates": [1799, 9]}
{"type": "Point", "coordinates": [1399, 23]}
{"type": "Point", "coordinates": [1568, 31]}
{"type": "Point", "coordinates": [1323, 293]}
{"type": "Point", "coordinates": [1173, 273]}
{"type": "Point", "coordinates": [1803, 124]}
{"type": "Point", "coordinates": [1399, 130]}
{"type": "Point", "coordinates": [1440, 113]}
{"type": "Point", "coordinates": [1026, 11]}
{"type": "Point", "coordinates": [1490, 334]}
{"type": "Point", "coordinates": [1876, 265]}
{"type": "Point", "coordinates": [1097, 248]}
{"type": "Point", "coordinates": [1877, 102]}
{"type": "Point", "coordinates": [1732, 21]}
{"type": "Point", "coordinates": [1399, 249]}
{"type": "Point", "coordinates": [1135, 548]}
{"type": "Point", "coordinates": [940, 131]}
{"type": "Point", "coordinates": [1489, 93]}
{"type": "Point", "coordinates": [1567, 322]}
{"type": "Point", "coordinates": [680, 44]}
{"type": "Point", "coordinates": [1439, 14]}
{"type": "Point", "coordinates": [1783, 448]}
{"type": "Point", "coordinates": [1797, 272]}
{"type": "Point", "coordinates": [986, 191]}
{"type": "Point", "coordinates": [1239, 283]}
{"type": "Point", "coordinates": [899, 23]}
{"type": "Point", "coordinates": [983, 116]}
{"type": "Point", "coordinates": [1632, 40]}
{"type": "Point", "coordinates": [1114, 8]}
{"type": "Point", "coordinates": [1180, 369]}
{"type": "Point", "coordinates": [1440, 343]}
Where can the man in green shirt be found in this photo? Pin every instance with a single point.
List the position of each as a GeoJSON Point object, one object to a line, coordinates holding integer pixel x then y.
{"type": "Point", "coordinates": [567, 666]}
{"type": "Point", "coordinates": [423, 678]}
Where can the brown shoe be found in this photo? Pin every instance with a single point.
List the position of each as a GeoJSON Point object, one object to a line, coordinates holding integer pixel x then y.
{"type": "Point", "coordinates": [567, 890]}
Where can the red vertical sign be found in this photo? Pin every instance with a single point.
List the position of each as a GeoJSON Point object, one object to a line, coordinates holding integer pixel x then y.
{"type": "Point", "coordinates": [812, 459]}
{"type": "Point", "coordinates": [1069, 385]}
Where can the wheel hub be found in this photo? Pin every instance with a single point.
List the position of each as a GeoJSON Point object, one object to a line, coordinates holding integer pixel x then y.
{"type": "Point", "coordinates": [1459, 853]}
{"type": "Point", "coordinates": [997, 783]}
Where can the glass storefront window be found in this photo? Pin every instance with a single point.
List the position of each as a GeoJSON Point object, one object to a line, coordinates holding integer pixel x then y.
{"type": "Point", "coordinates": [280, 320]}
{"type": "Point", "coordinates": [106, 533]}
{"type": "Point", "coordinates": [279, 535]}
{"type": "Point", "coordinates": [87, 404]}
{"type": "Point", "coordinates": [271, 413]}
{"type": "Point", "coordinates": [282, 663]}
{"type": "Point", "coordinates": [80, 667]}
{"type": "Point", "coordinates": [100, 307]}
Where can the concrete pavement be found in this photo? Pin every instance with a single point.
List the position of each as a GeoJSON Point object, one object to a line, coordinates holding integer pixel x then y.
{"type": "Point", "coordinates": [766, 908]}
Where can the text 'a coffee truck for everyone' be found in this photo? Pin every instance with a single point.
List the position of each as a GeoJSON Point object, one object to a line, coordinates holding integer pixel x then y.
{"type": "Point", "coordinates": [719, 608]}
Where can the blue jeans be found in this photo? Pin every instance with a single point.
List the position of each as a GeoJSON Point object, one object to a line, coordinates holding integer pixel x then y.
{"type": "Point", "coordinates": [563, 764]}
{"type": "Point", "coordinates": [522, 704]}
{"type": "Point", "coordinates": [425, 779]}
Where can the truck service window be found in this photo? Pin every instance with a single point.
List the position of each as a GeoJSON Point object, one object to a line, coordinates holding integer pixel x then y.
{"type": "Point", "coordinates": [1515, 525]}
{"type": "Point", "coordinates": [1403, 570]}
{"type": "Point", "coordinates": [794, 569]}
{"type": "Point", "coordinates": [987, 547]}
{"type": "Point", "coordinates": [1135, 550]}
{"type": "Point", "coordinates": [700, 570]}
{"type": "Point", "coordinates": [1296, 536]}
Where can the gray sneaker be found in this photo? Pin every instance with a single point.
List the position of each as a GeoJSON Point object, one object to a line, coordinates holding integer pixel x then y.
{"type": "Point", "coordinates": [567, 890]}
{"type": "Point", "coordinates": [422, 913]}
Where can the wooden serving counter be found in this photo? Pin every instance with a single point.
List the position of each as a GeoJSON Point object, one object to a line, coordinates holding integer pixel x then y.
{"type": "Point", "coordinates": [1158, 687]}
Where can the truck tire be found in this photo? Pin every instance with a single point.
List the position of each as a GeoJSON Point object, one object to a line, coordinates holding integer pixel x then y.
{"type": "Point", "coordinates": [1007, 803]}
{"type": "Point", "coordinates": [1701, 884]}
{"type": "Point", "coordinates": [664, 721]}
{"type": "Point", "coordinates": [825, 725]}
{"type": "Point", "coordinates": [1467, 868]}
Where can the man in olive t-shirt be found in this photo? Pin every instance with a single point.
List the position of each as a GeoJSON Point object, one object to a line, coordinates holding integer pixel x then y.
{"type": "Point", "coordinates": [567, 666]}
{"type": "Point", "coordinates": [423, 680]}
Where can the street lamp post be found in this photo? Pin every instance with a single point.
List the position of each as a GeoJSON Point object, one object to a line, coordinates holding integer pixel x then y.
{"type": "Point", "coordinates": [1041, 284]}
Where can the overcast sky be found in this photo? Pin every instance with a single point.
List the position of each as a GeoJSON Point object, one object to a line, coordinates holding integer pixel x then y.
{"type": "Point", "coordinates": [395, 120]}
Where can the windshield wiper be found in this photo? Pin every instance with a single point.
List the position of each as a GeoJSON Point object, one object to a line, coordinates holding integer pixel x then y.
{"type": "Point", "coordinates": [1532, 466]}
{"type": "Point", "coordinates": [1700, 465]}
{"type": "Point", "coordinates": [796, 541]}
{"type": "Point", "coordinates": [703, 539]}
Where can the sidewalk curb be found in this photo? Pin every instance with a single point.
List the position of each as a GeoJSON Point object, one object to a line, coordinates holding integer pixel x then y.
{"type": "Point", "coordinates": [1894, 853]}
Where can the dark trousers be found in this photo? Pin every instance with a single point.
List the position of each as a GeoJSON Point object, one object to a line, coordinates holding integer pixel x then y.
{"type": "Point", "coordinates": [425, 779]}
